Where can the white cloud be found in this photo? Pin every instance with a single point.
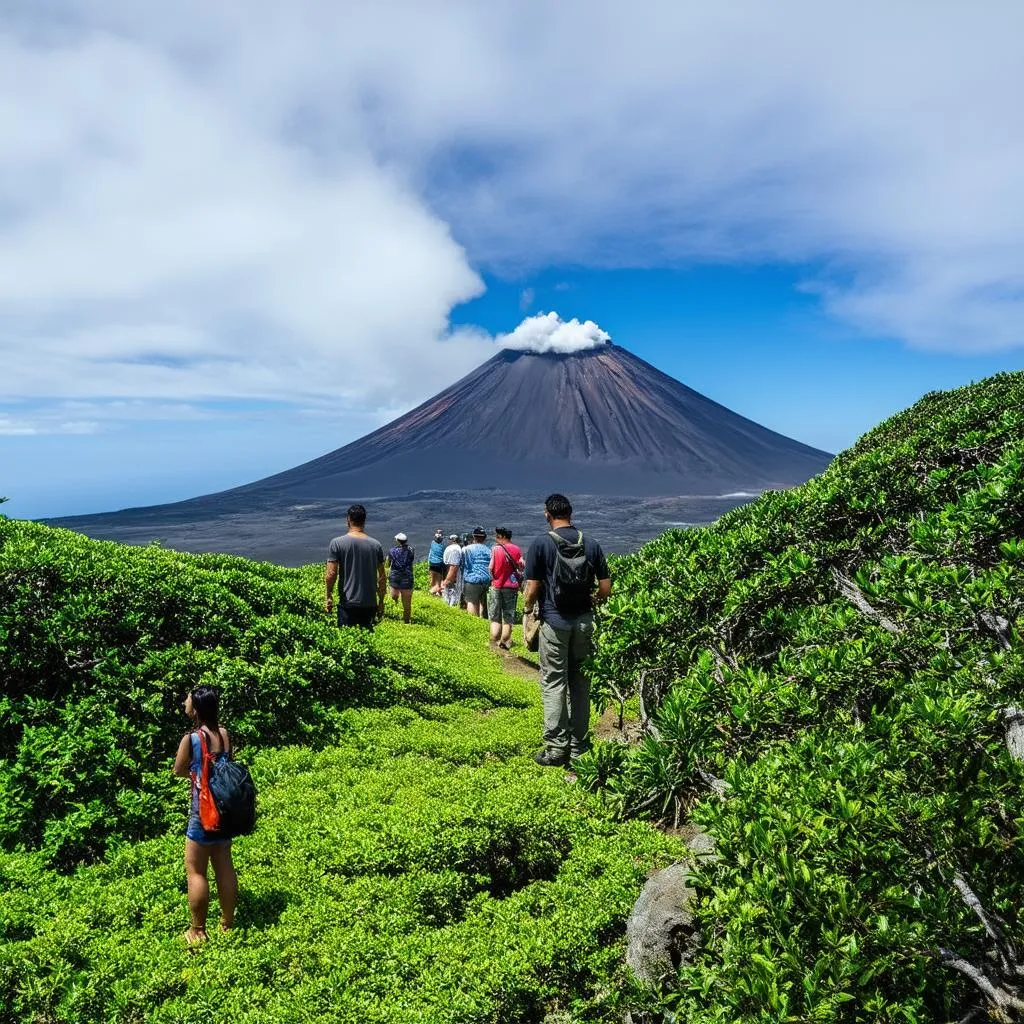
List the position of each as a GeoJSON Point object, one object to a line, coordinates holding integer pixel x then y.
{"type": "Point", "coordinates": [257, 201]}
{"type": "Point", "coordinates": [34, 426]}
{"type": "Point", "coordinates": [548, 332]}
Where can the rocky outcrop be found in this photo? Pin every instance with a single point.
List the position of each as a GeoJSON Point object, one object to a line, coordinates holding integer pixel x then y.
{"type": "Point", "coordinates": [661, 932]}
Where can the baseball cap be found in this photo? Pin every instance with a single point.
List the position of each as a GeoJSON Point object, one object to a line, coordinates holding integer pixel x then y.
{"type": "Point", "coordinates": [400, 536]}
{"type": "Point", "coordinates": [453, 536]}
{"type": "Point", "coordinates": [479, 531]}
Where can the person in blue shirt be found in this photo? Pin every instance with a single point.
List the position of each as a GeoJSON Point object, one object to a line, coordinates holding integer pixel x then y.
{"type": "Point", "coordinates": [476, 573]}
{"type": "Point", "coordinates": [435, 562]}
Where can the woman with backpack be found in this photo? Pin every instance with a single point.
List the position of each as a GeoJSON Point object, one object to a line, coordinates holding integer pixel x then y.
{"type": "Point", "coordinates": [435, 562]}
{"type": "Point", "coordinates": [208, 736]}
{"type": "Point", "coordinates": [400, 560]}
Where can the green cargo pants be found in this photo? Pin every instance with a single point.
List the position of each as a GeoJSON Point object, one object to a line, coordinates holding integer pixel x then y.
{"type": "Point", "coordinates": [565, 690]}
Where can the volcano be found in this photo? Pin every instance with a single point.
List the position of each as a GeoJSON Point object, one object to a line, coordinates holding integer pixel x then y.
{"type": "Point", "coordinates": [636, 450]}
{"type": "Point", "coordinates": [597, 421]}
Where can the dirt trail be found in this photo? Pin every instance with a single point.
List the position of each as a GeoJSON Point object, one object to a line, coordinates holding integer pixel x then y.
{"type": "Point", "coordinates": [518, 665]}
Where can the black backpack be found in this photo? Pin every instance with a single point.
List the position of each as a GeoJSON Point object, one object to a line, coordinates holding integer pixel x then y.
{"type": "Point", "coordinates": [234, 793]}
{"type": "Point", "coordinates": [573, 576]}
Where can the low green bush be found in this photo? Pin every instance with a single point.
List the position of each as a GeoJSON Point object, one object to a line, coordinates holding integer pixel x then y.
{"type": "Point", "coordinates": [99, 643]}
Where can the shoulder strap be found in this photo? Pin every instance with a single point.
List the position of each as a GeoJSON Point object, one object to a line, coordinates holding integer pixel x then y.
{"type": "Point", "coordinates": [205, 745]}
{"type": "Point", "coordinates": [562, 542]}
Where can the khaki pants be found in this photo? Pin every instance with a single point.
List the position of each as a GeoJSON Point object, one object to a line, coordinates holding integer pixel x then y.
{"type": "Point", "coordinates": [565, 691]}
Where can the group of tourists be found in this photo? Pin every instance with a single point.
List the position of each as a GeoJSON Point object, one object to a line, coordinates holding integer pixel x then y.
{"type": "Point", "coordinates": [563, 576]}
{"type": "Point", "coordinates": [484, 580]}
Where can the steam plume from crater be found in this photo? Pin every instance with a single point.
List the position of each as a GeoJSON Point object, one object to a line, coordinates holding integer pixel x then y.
{"type": "Point", "coordinates": [548, 332]}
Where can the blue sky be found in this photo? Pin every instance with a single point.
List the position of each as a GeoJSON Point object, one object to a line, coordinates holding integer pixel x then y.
{"type": "Point", "coordinates": [236, 236]}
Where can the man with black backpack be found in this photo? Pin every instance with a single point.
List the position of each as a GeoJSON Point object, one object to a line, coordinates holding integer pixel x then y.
{"type": "Point", "coordinates": [566, 575]}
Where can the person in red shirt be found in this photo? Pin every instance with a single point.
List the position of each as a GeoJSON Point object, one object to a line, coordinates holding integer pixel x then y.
{"type": "Point", "coordinates": [507, 577]}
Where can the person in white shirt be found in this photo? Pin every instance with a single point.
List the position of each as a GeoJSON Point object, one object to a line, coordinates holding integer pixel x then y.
{"type": "Point", "coordinates": [451, 585]}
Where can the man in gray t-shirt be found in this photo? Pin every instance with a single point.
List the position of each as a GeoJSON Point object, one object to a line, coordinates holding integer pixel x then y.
{"type": "Point", "coordinates": [356, 562]}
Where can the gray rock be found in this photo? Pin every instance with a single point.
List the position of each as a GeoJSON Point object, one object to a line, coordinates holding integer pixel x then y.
{"type": "Point", "coordinates": [661, 932]}
{"type": "Point", "coordinates": [701, 847]}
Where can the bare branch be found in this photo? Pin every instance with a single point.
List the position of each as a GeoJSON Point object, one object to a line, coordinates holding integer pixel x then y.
{"type": "Point", "coordinates": [995, 994]}
{"type": "Point", "coordinates": [650, 698]}
{"type": "Point", "coordinates": [717, 786]}
{"type": "Point", "coordinates": [1013, 732]}
{"type": "Point", "coordinates": [994, 928]}
{"type": "Point", "coordinates": [998, 626]}
{"type": "Point", "coordinates": [855, 596]}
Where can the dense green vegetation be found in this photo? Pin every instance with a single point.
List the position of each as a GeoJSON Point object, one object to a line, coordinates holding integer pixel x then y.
{"type": "Point", "coordinates": [410, 861]}
{"type": "Point", "coordinates": [835, 661]}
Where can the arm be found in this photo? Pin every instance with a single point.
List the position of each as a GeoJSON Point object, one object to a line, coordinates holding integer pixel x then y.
{"type": "Point", "coordinates": [330, 577]}
{"type": "Point", "coordinates": [604, 580]}
{"type": "Point", "coordinates": [382, 587]}
{"type": "Point", "coordinates": [531, 595]}
{"type": "Point", "coordinates": [183, 757]}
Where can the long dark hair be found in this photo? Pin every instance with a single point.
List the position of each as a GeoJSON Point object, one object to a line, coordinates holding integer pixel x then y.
{"type": "Point", "coordinates": [206, 705]}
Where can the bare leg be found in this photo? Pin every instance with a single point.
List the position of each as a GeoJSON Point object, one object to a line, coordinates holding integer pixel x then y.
{"type": "Point", "coordinates": [196, 859]}
{"type": "Point", "coordinates": [495, 631]}
{"type": "Point", "coordinates": [227, 883]}
{"type": "Point", "coordinates": [473, 608]}
{"type": "Point", "coordinates": [407, 605]}
{"type": "Point", "coordinates": [506, 634]}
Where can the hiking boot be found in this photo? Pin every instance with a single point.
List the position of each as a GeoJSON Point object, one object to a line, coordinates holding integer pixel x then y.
{"type": "Point", "coordinates": [551, 758]}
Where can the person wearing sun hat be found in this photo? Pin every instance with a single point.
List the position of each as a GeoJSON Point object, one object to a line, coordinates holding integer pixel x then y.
{"type": "Point", "coordinates": [476, 573]}
{"type": "Point", "coordinates": [435, 562]}
{"type": "Point", "coordinates": [400, 560]}
{"type": "Point", "coordinates": [451, 587]}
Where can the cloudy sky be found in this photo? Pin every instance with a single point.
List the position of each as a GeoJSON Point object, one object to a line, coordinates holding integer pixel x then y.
{"type": "Point", "coordinates": [234, 236]}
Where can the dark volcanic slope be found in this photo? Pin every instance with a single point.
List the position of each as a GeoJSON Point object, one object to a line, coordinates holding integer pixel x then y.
{"type": "Point", "coordinates": [601, 421]}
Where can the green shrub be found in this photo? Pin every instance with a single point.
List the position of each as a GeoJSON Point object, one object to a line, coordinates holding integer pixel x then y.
{"type": "Point", "coordinates": [839, 655]}
{"type": "Point", "coordinates": [99, 643]}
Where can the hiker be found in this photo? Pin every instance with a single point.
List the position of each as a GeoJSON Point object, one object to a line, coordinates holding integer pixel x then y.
{"type": "Point", "coordinates": [566, 575]}
{"type": "Point", "coordinates": [506, 570]}
{"type": "Point", "coordinates": [202, 706]}
{"type": "Point", "coordinates": [356, 561]}
{"type": "Point", "coordinates": [476, 573]}
{"type": "Point", "coordinates": [435, 562]}
{"type": "Point", "coordinates": [451, 589]}
{"type": "Point", "coordinates": [400, 560]}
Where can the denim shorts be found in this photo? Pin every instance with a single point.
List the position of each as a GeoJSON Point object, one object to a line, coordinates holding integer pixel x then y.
{"type": "Point", "coordinates": [199, 835]}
